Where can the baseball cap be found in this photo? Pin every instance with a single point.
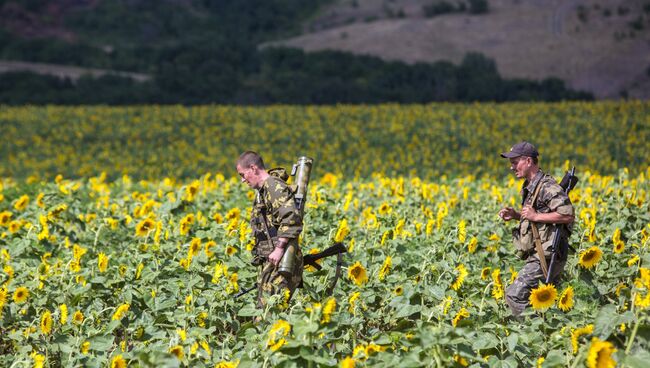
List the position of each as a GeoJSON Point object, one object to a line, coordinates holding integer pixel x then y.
{"type": "Point", "coordinates": [521, 149]}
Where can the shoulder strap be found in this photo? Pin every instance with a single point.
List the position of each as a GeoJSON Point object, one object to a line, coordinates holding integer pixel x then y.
{"type": "Point", "coordinates": [536, 237]}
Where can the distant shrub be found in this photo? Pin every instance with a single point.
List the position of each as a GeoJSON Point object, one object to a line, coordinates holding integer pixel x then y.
{"type": "Point", "coordinates": [637, 24]}
{"type": "Point", "coordinates": [478, 6]}
{"type": "Point", "coordinates": [437, 8]}
{"type": "Point", "coordinates": [583, 14]}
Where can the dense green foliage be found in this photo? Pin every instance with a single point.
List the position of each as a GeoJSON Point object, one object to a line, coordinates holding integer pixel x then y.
{"type": "Point", "coordinates": [207, 52]}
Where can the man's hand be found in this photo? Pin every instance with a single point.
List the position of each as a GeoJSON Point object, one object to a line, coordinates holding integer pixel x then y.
{"type": "Point", "coordinates": [529, 213]}
{"type": "Point", "coordinates": [276, 255]}
{"type": "Point", "coordinates": [508, 213]}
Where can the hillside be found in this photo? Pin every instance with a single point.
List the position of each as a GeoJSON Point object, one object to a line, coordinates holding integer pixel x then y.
{"type": "Point", "coordinates": [599, 46]}
{"type": "Point", "coordinates": [199, 51]}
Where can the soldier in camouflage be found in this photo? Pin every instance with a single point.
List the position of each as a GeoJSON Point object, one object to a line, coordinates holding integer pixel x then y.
{"type": "Point", "coordinates": [544, 205]}
{"type": "Point", "coordinates": [274, 215]}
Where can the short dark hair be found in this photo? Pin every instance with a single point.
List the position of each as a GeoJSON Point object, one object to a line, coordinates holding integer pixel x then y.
{"type": "Point", "coordinates": [250, 158]}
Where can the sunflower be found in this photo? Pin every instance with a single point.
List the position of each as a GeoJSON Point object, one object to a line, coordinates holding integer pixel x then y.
{"type": "Point", "coordinates": [177, 351]}
{"type": "Point", "coordinates": [619, 247]}
{"type": "Point", "coordinates": [352, 301]}
{"type": "Point", "coordinates": [46, 322]}
{"type": "Point", "coordinates": [217, 217]}
{"type": "Point", "coordinates": [358, 273]}
{"type": "Point", "coordinates": [485, 273]}
{"type": "Point", "coordinates": [144, 227]}
{"type": "Point", "coordinates": [385, 268]}
{"type": "Point", "coordinates": [102, 262]}
{"type": "Point", "coordinates": [230, 250]}
{"type": "Point", "coordinates": [399, 290]}
{"type": "Point", "coordinates": [371, 349]}
{"type": "Point", "coordinates": [497, 286]}
{"type": "Point", "coordinates": [223, 364]}
{"type": "Point", "coordinates": [118, 362]}
{"type": "Point", "coordinates": [462, 313]}
{"type": "Point", "coordinates": [348, 362]}
{"type": "Point", "coordinates": [462, 231]}
{"type": "Point", "coordinates": [39, 360]}
{"type": "Point", "coordinates": [543, 297]}
{"type": "Point", "coordinates": [195, 247]}
{"type": "Point", "coordinates": [462, 273]}
{"type": "Point", "coordinates": [21, 203]}
{"type": "Point", "coordinates": [342, 231]}
{"type": "Point", "coordinates": [471, 246]}
{"type": "Point", "coordinates": [600, 354]}
{"type": "Point", "coordinates": [566, 299]}
{"type": "Point", "coordinates": [5, 217]}
{"type": "Point", "coordinates": [207, 246]}
{"type": "Point", "coordinates": [120, 312]}
{"type": "Point", "coordinates": [78, 317]}
{"type": "Point", "coordinates": [21, 294]}
{"type": "Point", "coordinates": [85, 347]}
{"type": "Point", "coordinates": [280, 329]}
{"type": "Point", "coordinates": [64, 313]}
{"type": "Point", "coordinates": [590, 257]}
{"type": "Point", "coordinates": [330, 307]}
{"type": "Point", "coordinates": [14, 226]}
{"type": "Point", "coordinates": [74, 266]}
{"type": "Point", "coordinates": [385, 209]}
{"type": "Point", "coordinates": [78, 251]}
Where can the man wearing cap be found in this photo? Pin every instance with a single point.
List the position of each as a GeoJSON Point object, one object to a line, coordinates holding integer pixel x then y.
{"type": "Point", "coordinates": [544, 207]}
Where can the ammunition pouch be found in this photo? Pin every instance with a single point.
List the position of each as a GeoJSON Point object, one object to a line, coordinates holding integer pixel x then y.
{"type": "Point", "coordinates": [523, 240]}
{"type": "Point", "coordinates": [263, 247]}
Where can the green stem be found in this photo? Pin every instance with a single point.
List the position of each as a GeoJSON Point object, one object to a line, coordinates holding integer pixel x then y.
{"type": "Point", "coordinates": [577, 359]}
{"type": "Point", "coordinates": [634, 331]}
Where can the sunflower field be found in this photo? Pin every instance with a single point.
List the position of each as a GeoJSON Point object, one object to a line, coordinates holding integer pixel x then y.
{"type": "Point", "coordinates": [124, 236]}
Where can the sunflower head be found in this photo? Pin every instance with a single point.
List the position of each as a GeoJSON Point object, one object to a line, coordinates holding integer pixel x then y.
{"type": "Point", "coordinates": [357, 273]}
{"type": "Point", "coordinates": [543, 297]}
{"type": "Point", "coordinates": [590, 257]}
{"type": "Point", "coordinates": [144, 227]}
{"type": "Point", "coordinates": [600, 354]}
{"type": "Point", "coordinates": [565, 302]}
{"type": "Point", "coordinates": [399, 290]}
{"type": "Point", "coordinates": [177, 351]}
{"type": "Point", "coordinates": [21, 294]}
{"type": "Point", "coordinates": [118, 362]}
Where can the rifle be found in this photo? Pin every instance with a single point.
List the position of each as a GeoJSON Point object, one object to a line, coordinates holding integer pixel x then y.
{"type": "Point", "coordinates": [568, 182]}
{"type": "Point", "coordinates": [310, 260]}
{"type": "Point", "coordinates": [245, 291]}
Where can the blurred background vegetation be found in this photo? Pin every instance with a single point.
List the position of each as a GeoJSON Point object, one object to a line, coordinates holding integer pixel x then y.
{"type": "Point", "coordinates": [200, 51]}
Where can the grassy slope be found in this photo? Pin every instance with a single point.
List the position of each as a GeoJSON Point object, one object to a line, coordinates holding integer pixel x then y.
{"type": "Point", "coordinates": [528, 39]}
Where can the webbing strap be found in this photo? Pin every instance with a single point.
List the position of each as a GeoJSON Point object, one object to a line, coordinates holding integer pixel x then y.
{"type": "Point", "coordinates": [536, 237]}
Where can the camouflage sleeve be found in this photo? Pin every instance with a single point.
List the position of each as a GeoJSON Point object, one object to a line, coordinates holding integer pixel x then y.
{"type": "Point", "coordinates": [556, 200]}
{"type": "Point", "coordinates": [284, 212]}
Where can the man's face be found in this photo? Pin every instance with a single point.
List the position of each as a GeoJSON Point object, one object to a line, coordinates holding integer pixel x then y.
{"type": "Point", "coordinates": [249, 175]}
{"type": "Point", "coordinates": [520, 165]}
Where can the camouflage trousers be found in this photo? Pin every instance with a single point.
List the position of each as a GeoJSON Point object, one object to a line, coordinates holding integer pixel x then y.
{"type": "Point", "coordinates": [528, 278]}
{"type": "Point", "coordinates": [271, 282]}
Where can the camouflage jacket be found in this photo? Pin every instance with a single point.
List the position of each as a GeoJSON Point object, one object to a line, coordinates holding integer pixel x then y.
{"type": "Point", "coordinates": [551, 198]}
{"type": "Point", "coordinates": [275, 199]}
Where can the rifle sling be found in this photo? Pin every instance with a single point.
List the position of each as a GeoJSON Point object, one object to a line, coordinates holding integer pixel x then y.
{"type": "Point", "coordinates": [264, 223]}
{"type": "Point", "coordinates": [538, 241]}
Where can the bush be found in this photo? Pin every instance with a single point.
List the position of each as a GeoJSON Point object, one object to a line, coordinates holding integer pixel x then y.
{"type": "Point", "coordinates": [478, 6]}
{"type": "Point", "coordinates": [437, 8]}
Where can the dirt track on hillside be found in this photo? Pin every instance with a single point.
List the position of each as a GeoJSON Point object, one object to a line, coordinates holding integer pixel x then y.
{"type": "Point", "coordinates": [62, 71]}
